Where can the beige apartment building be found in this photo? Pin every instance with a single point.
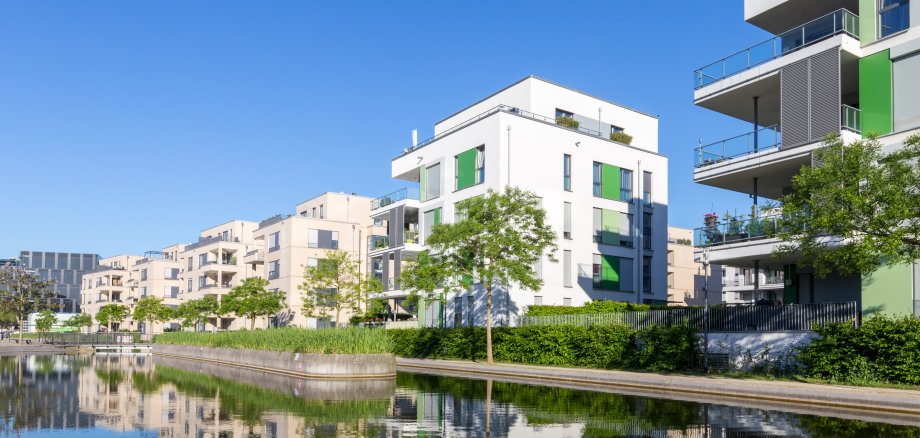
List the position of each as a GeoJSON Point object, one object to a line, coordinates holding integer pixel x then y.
{"type": "Point", "coordinates": [109, 284]}
{"type": "Point", "coordinates": [157, 275]}
{"type": "Point", "coordinates": [686, 276]}
{"type": "Point", "coordinates": [286, 245]}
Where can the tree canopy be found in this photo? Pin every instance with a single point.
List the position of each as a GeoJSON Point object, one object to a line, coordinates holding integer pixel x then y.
{"type": "Point", "coordinates": [194, 312]}
{"type": "Point", "coordinates": [79, 321]}
{"type": "Point", "coordinates": [335, 284]}
{"type": "Point", "coordinates": [151, 309]}
{"type": "Point", "coordinates": [23, 293]}
{"type": "Point", "coordinates": [111, 314]}
{"type": "Point", "coordinates": [46, 320]}
{"type": "Point", "coordinates": [499, 239]}
{"type": "Point", "coordinates": [856, 208]}
{"type": "Point", "coordinates": [251, 300]}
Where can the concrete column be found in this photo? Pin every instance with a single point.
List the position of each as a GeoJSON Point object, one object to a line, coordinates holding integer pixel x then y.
{"type": "Point", "coordinates": [756, 122]}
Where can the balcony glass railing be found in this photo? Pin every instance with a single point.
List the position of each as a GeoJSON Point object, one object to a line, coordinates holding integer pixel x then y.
{"type": "Point", "coordinates": [378, 242]}
{"type": "Point", "coordinates": [849, 118]}
{"type": "Point", "coordinates": [736, 231]}
{"type": "Point", "coordinates": [410, 236]}
{"type": "Point", "coordinates": [840, 21]}
{"type": "Point", "coordinates": [391, 198]}
{"type": "Point", "coordinates": [744, 144]}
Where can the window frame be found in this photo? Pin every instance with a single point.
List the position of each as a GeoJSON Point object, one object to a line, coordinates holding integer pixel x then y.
{"type": "Point", "coordinates": [567, 172]}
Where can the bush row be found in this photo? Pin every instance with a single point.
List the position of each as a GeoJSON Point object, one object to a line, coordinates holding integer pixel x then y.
{"type": "Point", "coordinates": [617, 346]}
{"type": "Point", "coordinates": [592, 307]}
{"type": "Point", "coordinates": [881, 350]}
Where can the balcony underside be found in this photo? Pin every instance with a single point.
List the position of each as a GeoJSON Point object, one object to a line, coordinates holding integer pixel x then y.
{"type": "Point", "coordinates": [777, 16]}
{"type": "Point", "coordinates": [738, 101]}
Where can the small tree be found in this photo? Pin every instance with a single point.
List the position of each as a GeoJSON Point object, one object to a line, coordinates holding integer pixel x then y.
{"type": "Point", "coordinates": [855, 209]}
{"type": "Point", "coordinates": [151, 310]}
{"type": "Point", "coordinates": [79, 321]}
{"type": "Point", "coordinates": [251, 300]}
{"type": "Point", "coordinates": [23, 293]}
{"type": "Point", "coordinates": [110, 314]}
{"type": "Point", "coordinates": [497, 243]}
{"type": "Point", "coordinates": [195, 312]}
{"type": "Point", "coordinates": [333, 285]}
{"type": "Point", "coordinates": [46, 320]}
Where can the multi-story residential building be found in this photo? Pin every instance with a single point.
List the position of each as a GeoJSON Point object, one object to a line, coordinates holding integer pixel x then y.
{"type": "Point", "coordinates": [606, 199]}
{"type": "Point", "coordinates": [687, 277]}
{"type": "Point", "coordinates": [214, 264]}
{"type": "Point", "coordinates": [285, 245]}
{"type": "Point", "coordinates": [108, 284]}
{"type": "Point", "coordinates": [738, 285]}
{"type": "Point", "coordinates": [843, 67]}
{"type": "Point", "coordinates": [65, 269]}
{"type": "Point", "coordinates": [157, 275]}
{"type": "Point", "coordinates": [399, 240]}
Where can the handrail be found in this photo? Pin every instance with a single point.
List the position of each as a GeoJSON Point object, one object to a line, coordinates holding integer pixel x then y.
{"type": "Point", "coordinates": [837, 22]}
{"type": "Point", "coordinates": [739, 145]}
{"type": "Point", "coordinates": [850, 118]}
{"type": "Point", "coordinates": [394, 197]}
{"type": "Point", "coordinates": [737, 231]}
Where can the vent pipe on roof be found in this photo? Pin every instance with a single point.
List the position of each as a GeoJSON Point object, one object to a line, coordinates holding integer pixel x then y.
{"type": "Point", "coordinates": [415, 137]}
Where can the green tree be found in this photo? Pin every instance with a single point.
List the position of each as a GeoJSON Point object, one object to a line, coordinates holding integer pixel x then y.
{"type": "Point", "coordinates": [110, 314]}
{"type": "Point", "coordinates": [152, 309]}
{"type": "Point", "coordinates": [335, 284]}
{"type": "Point", "coordinates": [46, 319]}
{"type": "Point", "coordinates": [79, 321]}
{"type": "Point", "coordinates": [195, 312]}
{"type": "Point", "coordinates": [23, 293]}
{"type": "Point", "coordinates": [251, 300]}
{"type": "Point", "coordinates": [855, 208]}
{"type": "Point", "coordinates": [497, 243]}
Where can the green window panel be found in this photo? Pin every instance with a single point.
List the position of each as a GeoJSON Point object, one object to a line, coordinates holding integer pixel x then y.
{"type": "Point", "coordinates": [791, 286]}
{"type": "Point", "coordinates": [610, 272]}
{"type": "Point", "coordinates": [610, 227]}
{"type": "Point", "coordinates": [875, 93]}
{"type": "Point", "coordinates": [610, 178]}
{"type": "Point", "coordinates": [868, 16]}
{"type": "Point", "coordinates": [422, 183]}
{"type": "Point", "coordinates": [466, 169]}
{"type": "Point", "coordinates": [437, 216]}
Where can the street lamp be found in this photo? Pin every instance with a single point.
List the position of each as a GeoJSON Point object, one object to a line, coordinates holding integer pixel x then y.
{"type": "Point", "coordinates": [705, 260]}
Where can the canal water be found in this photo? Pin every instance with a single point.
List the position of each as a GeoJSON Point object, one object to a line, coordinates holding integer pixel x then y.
{"type": "Point", "coordinates": [140, 395]}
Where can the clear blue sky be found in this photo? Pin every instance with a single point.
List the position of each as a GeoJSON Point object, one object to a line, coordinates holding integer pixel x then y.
{"type": "Point", "coordinates": [128, 126]}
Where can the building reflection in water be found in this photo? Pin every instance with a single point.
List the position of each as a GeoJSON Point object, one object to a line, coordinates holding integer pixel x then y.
{"type": "Point", "coordinates": [147, 396]}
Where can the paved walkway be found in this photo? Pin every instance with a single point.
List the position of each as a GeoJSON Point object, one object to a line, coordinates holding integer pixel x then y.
{"type": "Point", "coordinates": [879, 400]}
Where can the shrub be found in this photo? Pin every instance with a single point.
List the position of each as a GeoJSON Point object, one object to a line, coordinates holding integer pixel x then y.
{"type": "Point", "coordinates": [353, 340]}
{"type": "Point", "coordinates": [589, 308]}
{"type": "Point", "coordinates": [568, 122]}
{"type": "Point", "coordinates": [621, 137]}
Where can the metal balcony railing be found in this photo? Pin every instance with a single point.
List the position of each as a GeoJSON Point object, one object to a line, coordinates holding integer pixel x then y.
{"type": "Point", "coordinates": [736, 231]}
{"type": "Point", "coordinates": [378, 242]}
{"type": "Point", "coordinates": [392, 198]}
{"type": "Point", "coordinates": [739, 145]}
{"type": "Point", "coordinates": [850, 118]}
{"type": "Point", "coordinates": [840, 21]}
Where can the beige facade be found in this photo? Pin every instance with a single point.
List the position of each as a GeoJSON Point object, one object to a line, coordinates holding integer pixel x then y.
{"type": "Point", "coordinates": [157, 275]}
{"type": "Point", "coordinates": [686, 277]}
{"type": "Point", "coordinates": [109, 284]}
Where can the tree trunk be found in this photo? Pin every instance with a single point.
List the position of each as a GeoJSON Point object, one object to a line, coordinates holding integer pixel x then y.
{"type": "Point", "coordinates": [488, 408]}
{"type": "Point", "coordinates": [489, 323]}
{"type": "Point", "coordinates": [252, 323]}
{"type": "Point", "coordinates": [20, 330]}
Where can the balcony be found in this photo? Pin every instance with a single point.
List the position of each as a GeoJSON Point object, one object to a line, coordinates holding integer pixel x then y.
{"type": "Point", "coordinates": [205, 241]}
{"type": "Point", "coordinates": [748, 143]}
{"type": "Point", "coordinates": [840, 21]}
{"type": "Point", "coordinates": [392, 198]}
{"type": "Point", "coordinates": [736, 230]}
{"type": "Point", "coordinates": [767, 279]}
{"type": "Point", "coordinates": [376, 243]}
{"type": "Point", "coordinates": [850, 118]}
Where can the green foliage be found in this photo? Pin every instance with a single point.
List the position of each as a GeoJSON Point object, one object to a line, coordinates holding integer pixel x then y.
{"type": "Point", "coordinates": [23, 293]}
{"type": "Point", "coordinates": [152, 309]}
{"type": "Point", "coordinates": [568, 122]}
{"type": "Point", "coordinates": [352, 340]}
{"type": "Point", "coordinates": [856, 210]}
{"type": "Point", "coordinates": [46, 319]}
{"type": "Point", "coordinates": [251, 300]}
{"type": "Point", "coordinates": [110, 314]}
{"type": "Point", "coordinates": [498, 241]}
{"type": "Point", "coordinates": [589, 308]}
{"type": "Point", "coordinates": [612, 347]}
{"type": "Point", "coordinates": [79, 321]}
{"type": "Point", "coordinates": [882, 350]}
{"type": "Point", "coordinates": [334, 285]}
{"type": "Point", "coordinates": [194, 312]}
{"type": "Point", "coordinates": [621, 137]}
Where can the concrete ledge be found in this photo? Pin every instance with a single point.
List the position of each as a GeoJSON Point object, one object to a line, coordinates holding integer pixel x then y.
{"type": "Point", "coordinates": [895, 405]}
{"type": "Point", "coordinates": [317, 366]}
{"type": "Point", "coordinates": [308, 389]}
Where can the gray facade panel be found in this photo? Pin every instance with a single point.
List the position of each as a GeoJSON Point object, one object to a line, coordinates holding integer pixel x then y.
{"type": "Point", "coordinates": [794, 103]}
{"type": "Point", "coordinates": [906, 92]}
{"type": "Point", "coordinates": [810, 98]}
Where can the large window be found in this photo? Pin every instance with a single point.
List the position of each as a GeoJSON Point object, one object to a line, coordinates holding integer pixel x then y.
{"type": "Point", "coordinates": [647, 230]}
{"type": "Point", "coordinates": [202, 259]}
{"type": "Point", "coordinates": [274, 269]}
{"type": "Point", "coordinates": [429, 219]}
{"type": "Point", "coordinates": [143, 275]}
{"type": "Point", "coordinates": [647, 274]}
{"type": "Point", "coordinates": [323, 239]}
{"type": "Point", "coordinates": [612, 273]}
{"type": "Point", "coordinates": [613, 228]}
{"type": "Point", "coordinates": [612, 182]}
{"type": "Point", "coordinates": [625, 185]}
{"type": "Point", "coordinates": [567, 220]}
{"type": "Point", "coordinates": [274, 241]}
{"type": "Point", "coordinates": [647, 188]}
{"type": "Point", "coordinates": [893, 16]}
{"type": "Point", "coordinates": [470, 168]}
{"type": "Point", "coordinates": [431, 182]}
{"type": "Point", "coordinates": [597, 178]}
{"type": "Point", "coordinates": [567, 172]}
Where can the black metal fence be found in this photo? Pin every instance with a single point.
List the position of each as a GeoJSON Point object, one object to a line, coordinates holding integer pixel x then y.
{"type": "Point", "coordinates": [111, 338]}
{"type": "Point", "coordinates": [793, 317]}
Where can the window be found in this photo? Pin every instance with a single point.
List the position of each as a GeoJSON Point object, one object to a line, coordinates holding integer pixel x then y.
{"type": "Point", "coordinates": [202, 282]}
{"type": "Point", "coordinates": [431, 182]}
{"type": "Point", "coordinates": [625, 185]}
{"type": "Point", "coordinates": [470, 168]}
{"type": "Point", "coordinates": [189, 264]}
{"type": "Point", "coordinates": [567, 268]}
{"type": "Point", "coordinates": [567, 172]}
{"type": "Point", "coordinates": [893, 16]}
{"type": "Point", "coordinates": [647, 188]}
{"type": "Point", "coordinates": [537, 300]}
{"type": "Point", "coordinates": [564, 113]}
{"type": "Point", "coordinates": [202, 259]}
{"type": "Point", "coordinates": [313, 238]}
{"type": "Point", "coordinates": [274, 241]}
{"type": "Point", "coordinates": [567, 220]}
{"type": "Point", "coordinates": [274, 269]}
{"type": "Point", "coordinates": [311, 262]}
{"type": "Point", "coordinates": [378, 222]}
{"type": "Point", "coordinates": [313, 214]}
{"type": "Point", "coordinates": [567, 302]}
{"type": "Point", "coordinates": [143, 291]}
{"type": "Point", "coordinates": [612, 273]}
{"type": "Point", "coordinates": [647, 274]}
{"type": "Point", "coordinates": [322, 214]}
{"type": "Point", "coordinates": [458, 311]}
{"type": "Point", "coordinates": [613, 228]}
{"type": "Point", "coordinates": [597, 176]}
{"type": "Point", "coordinates": [170, 273]}
{"type": "Point", "coordinates": [469, 310]}
{"type": "Point", "coordinates": [429, 219]}
{"type": "Point", "coordinates": [647, 230]}
{"type": "Point", "coordinates": [189, 285]}
{"type": "Point", "coordinates": [170, 291]}
{"type": "Point", "coordinates": [143, 275]}
{"type": "Point", "coordinates": [615, 129]}
{"type": "Point", "coordinates": [322, 239]}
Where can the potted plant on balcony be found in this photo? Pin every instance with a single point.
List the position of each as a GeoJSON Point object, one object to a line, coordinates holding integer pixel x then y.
{"type": "Point", "coordinates": [621, 137]}
{"type": "Point", "coordinates": [736, 229]}
{"type": "Point", "coordinates": [711, 228]}
{"type": "Point", "coordinates": [568, 122]}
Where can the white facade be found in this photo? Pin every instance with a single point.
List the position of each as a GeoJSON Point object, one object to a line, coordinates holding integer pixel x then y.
{"type": "Point", "coordinates": [522, 145]}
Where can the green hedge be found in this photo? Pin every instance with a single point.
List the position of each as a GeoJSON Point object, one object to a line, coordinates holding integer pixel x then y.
{"type": "Point", "coordinates": [654, 349]}
{"type": "Point", "coordinates": [882, 350]}
{"type": "Point", "coordinates": [352, 340]}
{"type": "Point", "coordinates": [591, 308]}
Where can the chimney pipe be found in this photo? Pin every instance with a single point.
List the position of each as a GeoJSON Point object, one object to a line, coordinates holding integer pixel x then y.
{"type": "Point", "coordinates": [415, 137]}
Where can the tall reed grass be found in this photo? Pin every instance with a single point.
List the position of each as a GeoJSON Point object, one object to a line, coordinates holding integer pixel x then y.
{"type": "Point", "coordinates": [351, 340]}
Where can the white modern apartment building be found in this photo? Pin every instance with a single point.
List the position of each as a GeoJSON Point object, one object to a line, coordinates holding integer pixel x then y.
{"type": "Point", "coordinates": [846, 67]}
{"type": "Point", "coordinates": [607, 200]}
{"type": "Point", "coordinates": [284, 245]}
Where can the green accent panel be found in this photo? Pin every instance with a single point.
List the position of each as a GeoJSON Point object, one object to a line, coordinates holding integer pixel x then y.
{"type": "Point", "coordinates": [422, 183]}
{"type": "Point", "coordinates": [610, 272]}
{"type": "Point", "coordinates": [610, 227]}
{"type": "Point", "coordinates": [875, 93]}
{"type": "Point", "coordinates": [889, 290]}
{"type": "Point", "coordinates": [610, 178]}
{"type": "Point", "coordinates": [791, 286]}
{"type": "Point", "coordinates": [437, 216]}
{"type": "Point", "coordinates": [422, 311]}
{"type": "Point", "coordinates": [867, 19]}
{"type": "Point", "coordinates": [466, 169]}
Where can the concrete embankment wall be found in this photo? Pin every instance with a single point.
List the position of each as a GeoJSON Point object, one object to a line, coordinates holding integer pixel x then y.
{"type": "Point", "coordinates": [338, 366]}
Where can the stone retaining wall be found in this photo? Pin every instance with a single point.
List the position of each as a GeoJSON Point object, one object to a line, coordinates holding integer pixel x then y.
{"type": "Point", "coordinates": [340, 366]}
